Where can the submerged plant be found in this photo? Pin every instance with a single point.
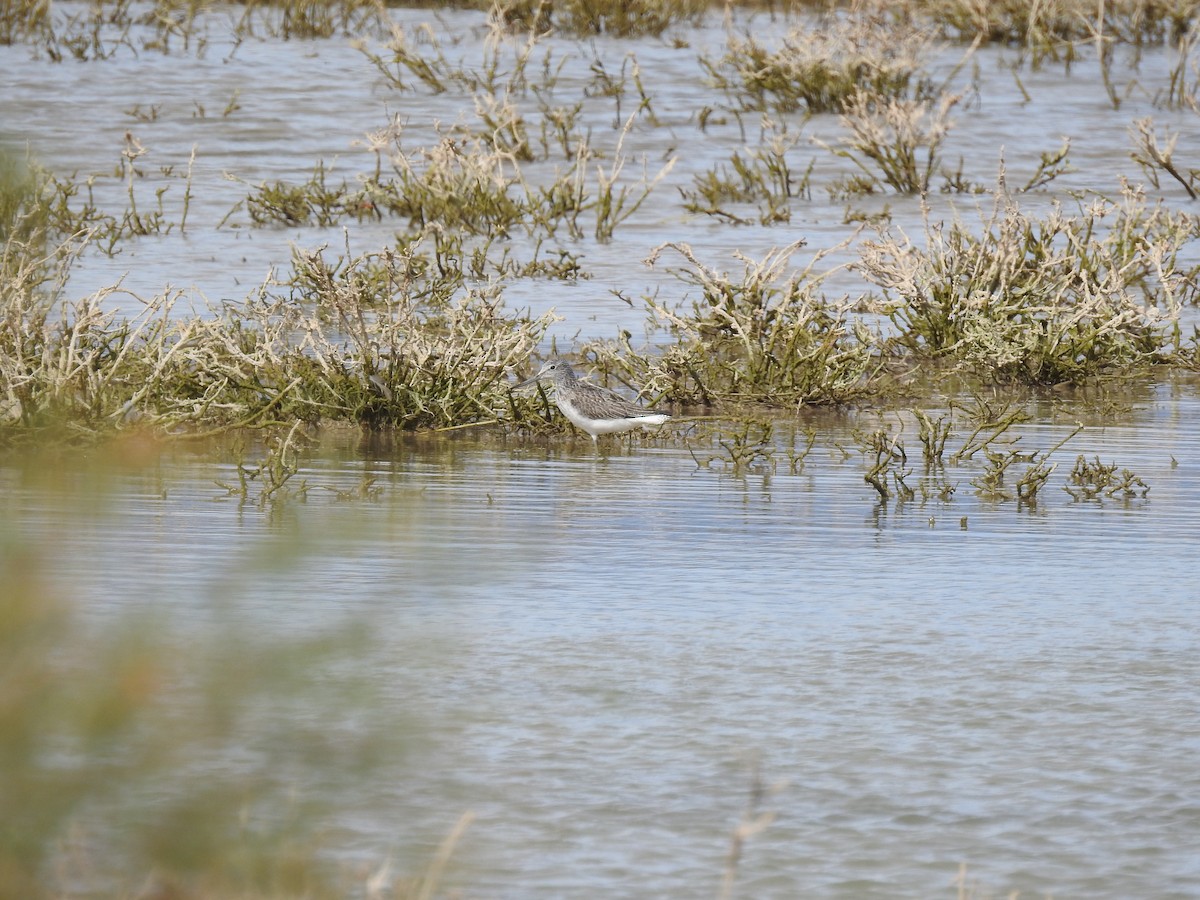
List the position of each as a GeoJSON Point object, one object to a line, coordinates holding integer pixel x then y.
{"type": "Point", "coordinates": [889, 460]}
{"type": "Point", "coordinates": [307, 19]}
{"type": "Point", "coordinates": [22, 19]}
{"type": "Point", "coordinates": [272, 474]}
{"type": "Point", "coordinates": [933, 435]}
{"type": "Point", "coordinates": [1092, 479]}
{"type": "Point", "coordinates": [1054, 29]}
{"type": "Point", "coordinates": [313, 202]}
{"type": "Point", "coordinates": [616, 201]}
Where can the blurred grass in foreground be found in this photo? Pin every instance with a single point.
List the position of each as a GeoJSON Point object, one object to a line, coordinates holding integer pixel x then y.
{"type": "Point", "coordinates": [140, 760]}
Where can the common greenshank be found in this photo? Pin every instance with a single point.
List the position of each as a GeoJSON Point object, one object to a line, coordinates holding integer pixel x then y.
{"type": "Point", "coordinates": [590, 407]}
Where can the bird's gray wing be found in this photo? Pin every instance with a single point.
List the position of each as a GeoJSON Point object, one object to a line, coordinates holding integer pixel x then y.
{"type": "Point", "coordinates": [601, 403]}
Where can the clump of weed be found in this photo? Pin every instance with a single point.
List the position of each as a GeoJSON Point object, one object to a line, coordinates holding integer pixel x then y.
{"type": "Point", "coordinates": [1041, 300]}
{"type": "Point", "coordinates": [990, 422]}
{"type": "Point", "coordinates": [69, 205]}
{"type": "Point", "coordinates": [22, 19]}
{"type": "Point", "coordinates": [746, 447]}
{"type": "Point", "coordinates": [71, 365]}
{"type": "Point", "coordinates": [619, 18]}
{"type": "Point", "coordinates": [314, 202]}
{"type": "Point", "coordinates": [763, 177]}
{"type": "Point", "coordinates": [273, 474]}
{"type": "Point", "coordinates": [1052, 29]}
{"type": "Point", "coordinates": [417, 58]}
{"type": "Point", "coordinates": [992, 482]}
{"type": "Point", "coordinates": [761, 338]}
{"type": "Point", "coordinates": [1093, 480]}
{"type": "Point", "coordinates": [822, 64]}
{"type": "Point", "coordinates": [472, 184]}
{"type": "Point", "coordinates": [1008, 472]}
{"type": "Point", "coordinates": [1047, 29]}
{"type": "Point", "coordinates": [458, 184]}
{"type": "Point", "coordinates": [1156, 160]}
{"type": "Point", "coordinates": [1051, 164]}
{"type": "Point", "coordinates": [889, 460]}
{"type": "Point", "coordinates": [307, 19]}
{"type": "Point", "coordinates": [751, 445]}
{"type": "Point", "coordinates": [1182, 91]}
{"type": "Point", "coordinates": [349, 342]}
{"type": "Point", "coordinates": [894, 142]}
{"type": "Point", "coordinates": [357, 346]}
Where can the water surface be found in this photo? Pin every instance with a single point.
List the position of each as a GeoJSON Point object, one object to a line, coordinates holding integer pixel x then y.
{"type": "Point", "coordinates": [592, 653]}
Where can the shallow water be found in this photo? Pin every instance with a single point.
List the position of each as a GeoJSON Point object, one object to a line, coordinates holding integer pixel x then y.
{"type": "Point", "coordinates": [593, 652]}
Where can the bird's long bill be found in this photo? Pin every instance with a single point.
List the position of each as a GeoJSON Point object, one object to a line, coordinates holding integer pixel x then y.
{"type": "Point", "coordinates": [527, 382]}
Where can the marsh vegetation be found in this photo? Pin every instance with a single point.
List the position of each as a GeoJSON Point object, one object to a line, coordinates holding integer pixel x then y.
{"type": "Point", "coordinates": [1090, 285]}
{"type": "Point", "coordinates": [1028, 284]}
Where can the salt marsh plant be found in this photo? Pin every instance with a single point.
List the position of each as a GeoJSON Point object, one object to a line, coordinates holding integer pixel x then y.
{"type": "Point", "coordinates": [1008, 471]}
{"type": "Point", "coordinates": [419, 58]}
{"type": "Point", "coordinates": [23, 215]}
{"type": "Point", "coordinates": [339, 351]}
{"type": "Point", "coordinates": [273, 474]}
{"type": "Point", "coordinates": [889, 470]}
{"type": "Point", "coordinates": [990, 421]}
{"type": "Point", "coordinates": [458, 184]}
{"type": "Point", "coordinates": [1046, 30]}
{"type": "Point", "coordinates": [23, 18]}
{"type": "Point", "coordinates": [894, 142]}
{"type": "Point", "coordinates": [1053, 28]}
{"type": "Point", "coordinates": [1041, 300]}
{"type": "Point", "coordinates": [762, 176]}
{"type": "Point", "coordinates": [306, 19]}
{"type": "Point", "coordinates": [1183, 80]}
{"type": "Point", "coordinates": [472, 184]}
{"type": "Point", "coordinates": [617, 200]}
{"type": "Point", "coordinates": [69, 206]}
{"type": "Point", "coordinates": [822, 64]}
{"type": "Point", "coordinates": [992, 482]}
{"type": "Point", "coordinates": [69, 365]}
{"type": "Point", "coordinates": [1094, 480]}
{"type": "Point", "coordinates": [933, 435]}
{"type": "Point", "coordinates": [619, 18]}
{"type": "Point", "coordinates": [1157, 159]}
{"type": "Point", "coordinates": [312, 202]}
{"type": "Point", "coordinates": [748, 446]}
{"type": "Point", "coordinates": [349, 342]}
{"type": "Point", "coordinates": [759, 338]}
